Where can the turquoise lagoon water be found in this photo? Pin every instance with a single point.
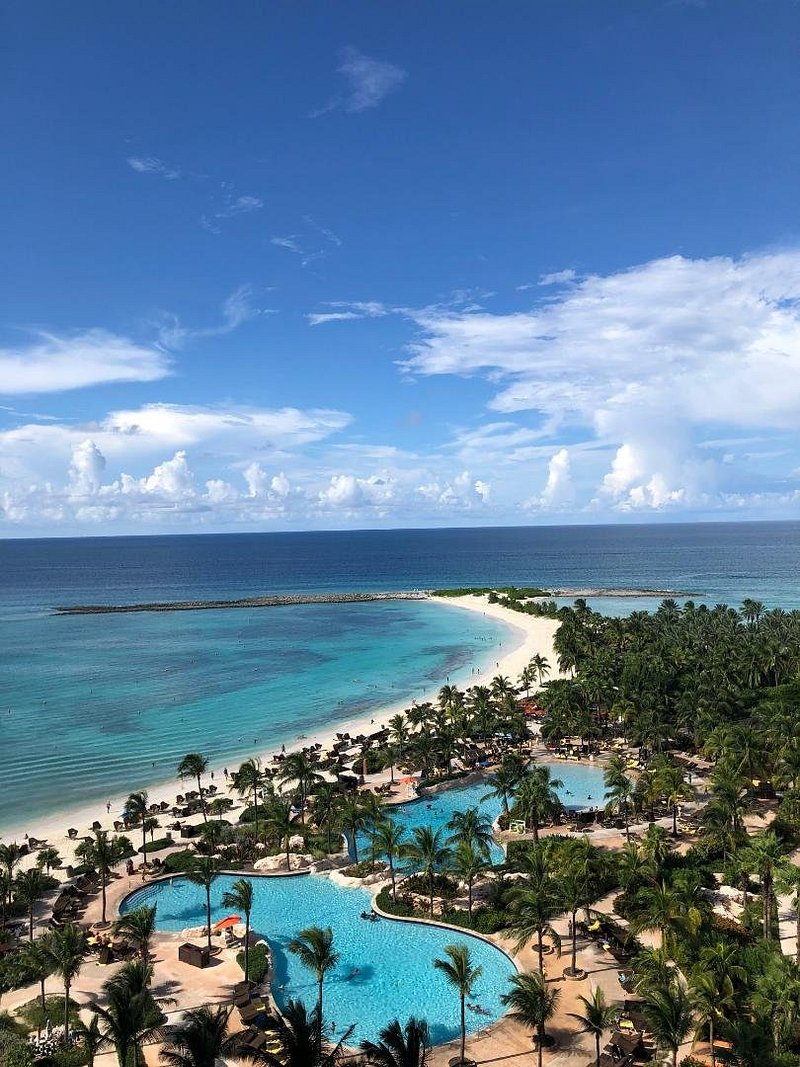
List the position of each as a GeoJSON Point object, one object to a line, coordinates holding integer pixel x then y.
{"type": "Point", "coordinates": [110, 703]}
{"type": "Point", "coordinates": [394, 961]}
{"type": "Point", "coordinates": [582, 787]}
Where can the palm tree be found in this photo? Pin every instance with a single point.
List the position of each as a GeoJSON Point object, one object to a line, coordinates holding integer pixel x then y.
{"type": "Point", "coordinates": [669, 1014]}
{"type": "Point", "coordinates": [789, 882]}
{"type": "Point", "coordinates": [280, 825]}
{"type": "Point", "coordinates": [531, 911]}
{"type": "Point", "coordinates": [247, 781]}
{"type": "Point", "coordinates": [472, 828]}
{"type": "Point", "coordinates": [673, 786]}
{"type": "Point", "coordinates": [388, 836]}
{"type": "Point", "coordinates": [101, 855]}
{"type": "Point", "coordinates": [505, 780]}
{"type": "Point", "coordinates": [325, 809]}
{"type": "Point", "coordinates": [10, 857]}
{"type": "Point", "coordinates": [139, 925]}
{"type": "Point", "coordinates": [204, 871]}
{"type": "Point", "coordinates": [399, 733]}
{"type": "Point", "coordinates": [352, 818]}
{"type": "Point", "coordinates": [200, 1039]}
{"type": "Point", "coordinates": [91, 1038]}
{"type": "Point", "coordinates": [765, 855]}
{"type": "Point", "coordinates": [193, 765]}
{"type": "Point", "coordinates": [597, 1017]}
{"type": "Point", "coordinates": [468, 864]}
{"type": "Point", "coordinates": [540, 666]}
{"type": "Point", "coordinates": [299, 1035]}
{"type": "Point", "coordinates": [536, 796]}
{"type": "Point", "coordinates": [137, 810]}
{"type": "Point", "coordinates": [64, 948]}
{"type": "Point", "coordinates": [130, 1013]}
{"type": "Point", "coordinates": [28, 889]}
{"type": "Point", "coordinates": [460, 973]}
{"type": "Point", "coordinates": [48, 858]}
{"type": "Point", "coordinates": [297, 767]}
{"type": "Point", "coordinates": [38, 964]}
{"type": "Point", "coordinates": [240, 898]}
{"type": "Point", "coordinates": [710, 994]}
{"type": "Point", "coordinates": [619, 789]}
{"type": "Point", "coordinates": [398, 1046]}
{"type": "Point", "coordinates": [314, 948]}
{"type": "Point", "coordinates": [533, 1002]}
{"type": "Point", "coordinates": [427, 853]}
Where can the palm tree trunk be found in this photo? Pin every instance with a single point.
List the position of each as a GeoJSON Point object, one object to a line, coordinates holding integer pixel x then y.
{"type": "Point", "coordinates": [535, 819]}
{"type": "Point", "coordinates": [103, 879]}
{"type": "Point", "coordinates": [202, 799]}
{"type": "Point", "coordinates": [288, 857]}
{"type": "Point", "coordinates": [463, 1028]}
{"type": "Point", "coordinates": [208, 915]}
{"type": "Point", "coordinates": [674, 820]}
{"type": "Point", "coordinates": [30, 920]}
{"type": "Point", "coordinates": [574, 943]}
{"type": "Point", "coordinates": [539, 1044]}
{"type": "Point", "coordinates": [246, 945]}
{"type": "Point", "coordinates": [797, 931]}
{"type": "Point", "coordinates": [469, 899]}
{"type": "Point", "coordinates": [67, 985]}
{"type": "Point", "coordinates": [320, 980]}
{"type": "Point", "coordinates": [540, 950]}
{"type": "Point", "coordinates": [255, 809]}
{"type": "Point", "coordinates": [711, 1040]}
{"type": "Point", "coordinates": [394, 897]}
{"type": "Point", "coordinates": [144, 843]}
{"type": "Point", "coordinates": [597, 1046]}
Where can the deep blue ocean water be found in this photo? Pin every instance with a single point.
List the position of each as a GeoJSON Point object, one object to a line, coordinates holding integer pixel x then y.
{"type": "Point", "coordinates": [100, 705]}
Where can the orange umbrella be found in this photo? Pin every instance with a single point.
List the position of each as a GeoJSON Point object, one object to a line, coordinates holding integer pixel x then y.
{"type": "Point", "coordinates": [409, 780]}
{"type": "Point", "coordinates": [229, 920]}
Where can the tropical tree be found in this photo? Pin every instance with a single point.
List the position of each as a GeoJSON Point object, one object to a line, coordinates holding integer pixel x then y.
{"type": "Point", "coordinates": [204, 871]}
{"type": "Point", "coordinates": [710, 995]}
{"type": "Point", "coordinates": [200, 1039]}
{"type": "Point", "coordinates": [389, 836]}
{"type": "Point", "coordinates": [766, 857]}
{"type": "Point", "coordinates": [325, 809]}
{"type": "Point", "coordinates": [47, 858]}
{"type": "Point", "coordinates": [298, 768]}
{"type": "Point", "coordinates": [28, 889]}
{"type": "Point", "coordinates": [462, 975]}
{"type": "Point", "coordinates": [279, 824]}
{"type": "Point", "coordinates": [299, 1035]}
{"type": "Point", "coordinates": [619, 789]}
{"type": "Point", "coordinates": [91, 1038]}
{"type": "Point", "coordinates": [139, 925]}
{"type": "Point", "coordinates": [399, 733]}
{"type": "Point", "coordinates": [427, 853]}
{"type": "Point", "coordinates": [505, 780]}
{"type": "Point", "coordinates": [400, 1046]}
{"type": "Point", "coordinates": [63, 948]}
{"type": "Point", "coordinates": [674, 788]}
{"type": "Point", "coordinates": [38, 964]}
{"type": "Point", "coordinates": [531, 912]}
{"type": "Point", "coordinates": [137, 810]}
{"type": "Point", "coordinates": [352, 818]}
{"type": "Point", "coordinates": [468, 864]}
{"type": "Point", "coordinates": [472, 828]}
{"type": "Point", "coordinates": [597, 1017]}
{"type": "Point", "coordinates": [540, 666]}
{"type": "Point", "coordinates": [130, 1013]}
{"type": "Point", "coordinates": [101, 854]}
{"type": "Point", "coordinates": [789, 882]}
{"type": "Point", "coordinates": [533, 1002]}
{"type": "Point", "coordinates": [536, 796]}
{"type": "Point", "coordinates": [314, 948]}
{"type": "Point", "coordinates": [193, 765]}
{"type": "Point", "coordinates": [247, 781]}
{"type": "Point", "coordinates": [10, 858]}
{"type": "Point", "coordinates": [670, 1016]}
{"type": "Point", "coordinates": [240, 898]}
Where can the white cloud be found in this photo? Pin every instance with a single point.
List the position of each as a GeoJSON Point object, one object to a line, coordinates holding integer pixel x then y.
{"type": "Point", "coordinates": [369, 82]}
{"type": "Point", "coordinates": [558, 491]}
{"type": "Point", "coordinates": [237, 309]}
{"type": "Point", "coordinates": [86, 468]}
{"type": "Point", "coordinates": [240, 205]}
{"type": "Point", "coordinates": [153, 165]}
{"type": "Point", "coordinates": [349, 311]}
{"type": "Point", "coordinates": [55, 363]}
{"type": "Point", "coordinates": [646, 360]}
{"type": "Point", "coordinates": [559, 277]}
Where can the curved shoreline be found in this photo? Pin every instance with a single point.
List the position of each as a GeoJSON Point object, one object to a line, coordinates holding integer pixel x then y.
{"type": "Point", "coordinates": [526, 635]}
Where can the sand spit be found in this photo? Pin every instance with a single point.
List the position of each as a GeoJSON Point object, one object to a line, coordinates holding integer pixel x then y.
{"type": "Point", "coordinates": [287, 600]}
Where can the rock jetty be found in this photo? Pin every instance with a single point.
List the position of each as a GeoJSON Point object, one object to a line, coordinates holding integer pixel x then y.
{"type": "Point", "coordinates": [243, 602]}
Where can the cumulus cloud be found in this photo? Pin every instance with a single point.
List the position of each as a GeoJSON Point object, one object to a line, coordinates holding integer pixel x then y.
{"type": "Point", "coordinates": [54, 363]}
{"type": "Point", "coordinates": [86, 468]}
{"type": "Point", "coordinates": [558, 491]}
{"type": "Point", "coordinates": [368, 82]}
{"type": "Point", "coordinates": [644, 360]}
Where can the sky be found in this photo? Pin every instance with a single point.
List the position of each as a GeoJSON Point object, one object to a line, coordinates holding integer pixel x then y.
{"type": "Point", "coordinates": [303, 265]}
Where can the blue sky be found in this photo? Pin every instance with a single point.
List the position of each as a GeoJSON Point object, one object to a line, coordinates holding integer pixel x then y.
{"type": "Point", "coordinates": [296, 265]}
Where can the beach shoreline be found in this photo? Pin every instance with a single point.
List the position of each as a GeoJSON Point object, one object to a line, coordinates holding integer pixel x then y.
{"type": "Point", "coordinates": [527, 636]}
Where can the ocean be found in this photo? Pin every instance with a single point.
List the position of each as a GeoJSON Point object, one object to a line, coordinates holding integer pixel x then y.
{"type": "Point", "coordinates": [95, 705]}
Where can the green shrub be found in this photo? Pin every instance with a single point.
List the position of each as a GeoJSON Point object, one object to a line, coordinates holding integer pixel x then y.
{"type": "Point", "coordinates": [158, 845]}
{"type": "Point", "coordinates": [393, 907]}
{"type": "Point", "coordinates": [14, 1051]}
{"type": "Point", "coordinates": [258, 964]}
{"type": "Point", "coordinates": [363, 869]}
{"type": "Point", "coordinates": [36, 1019]}
{"type": "Point", "coordinates": [180, 862]}
{"type": "Point", "coordinates": [70, 1057]}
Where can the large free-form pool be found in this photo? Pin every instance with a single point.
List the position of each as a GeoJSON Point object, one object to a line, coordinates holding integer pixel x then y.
{"type": "Point", "coordinates": [386, 970]}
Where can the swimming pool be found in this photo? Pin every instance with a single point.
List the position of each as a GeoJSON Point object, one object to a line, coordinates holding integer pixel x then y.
{"type": "Point", "coordinates": [582, 788]}
{"type": "Point", "coordinates": [394, 960]}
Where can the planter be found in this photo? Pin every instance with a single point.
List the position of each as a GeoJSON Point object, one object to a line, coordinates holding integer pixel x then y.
{"type": "Point", "coordinates": [577, 975]}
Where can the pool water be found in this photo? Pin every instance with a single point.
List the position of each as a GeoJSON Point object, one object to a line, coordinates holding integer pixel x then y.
{"type": "Point", "coordinates": [386, 967]}
{"type": "Point", "coordinates": [582, 788]}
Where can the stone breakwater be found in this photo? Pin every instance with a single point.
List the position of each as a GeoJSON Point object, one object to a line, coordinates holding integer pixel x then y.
{"type": "Point", "coordinates": [243, 602]}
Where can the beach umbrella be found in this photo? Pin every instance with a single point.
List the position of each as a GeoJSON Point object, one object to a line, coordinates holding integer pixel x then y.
{"type": "Point", "coordinates": [229, 920]}
{"type": "Point", "coordinates": [409, 780]}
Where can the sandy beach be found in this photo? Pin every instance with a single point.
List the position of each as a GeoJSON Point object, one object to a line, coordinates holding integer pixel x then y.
{"type": "Point", "coordinates": [527, 636]}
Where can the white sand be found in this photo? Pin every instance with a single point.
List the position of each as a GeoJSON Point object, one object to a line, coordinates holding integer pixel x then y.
{"type": "Point", "coordinates": [529, 635]}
